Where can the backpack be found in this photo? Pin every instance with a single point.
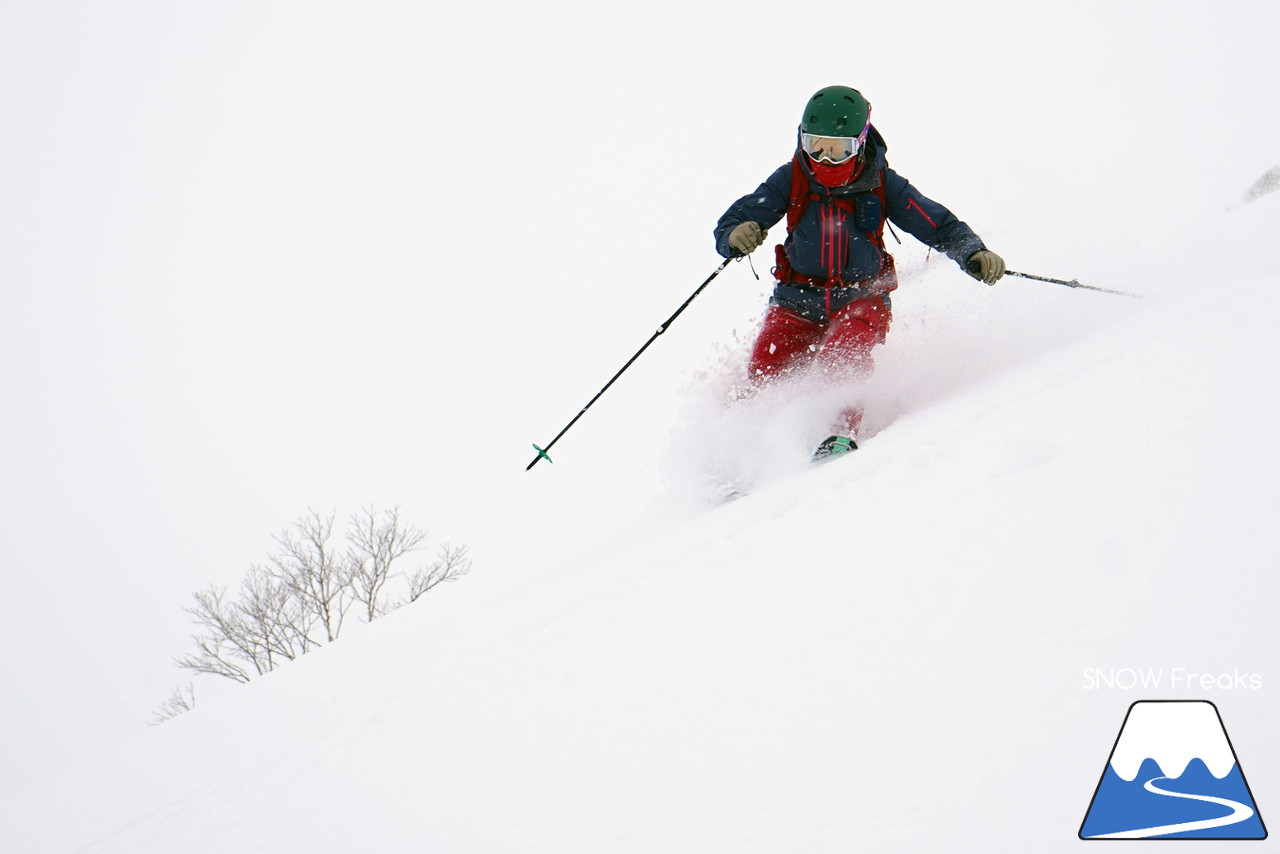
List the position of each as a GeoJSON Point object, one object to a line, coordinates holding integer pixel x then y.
{"type": "Point", "coordinates": [802, 193]}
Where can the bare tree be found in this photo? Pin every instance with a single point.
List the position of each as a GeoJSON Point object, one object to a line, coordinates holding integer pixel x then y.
{"type": "Point", "coordinates": [317, 576]}
{"type": "Point", "coordinates": [376, 544]}
{"type": "Point", "coordinates": [300, 597]}
{"type": "Point", "coordinates": [276, 624]}
{"type": "Point", "coordinates": [252, 635]}
{"type": "Point", "coordinates": [183, 699]}
{"type": "Point", "coordinates": [451, 564]}
{"type": "Point", "coordinates": [226, 648]}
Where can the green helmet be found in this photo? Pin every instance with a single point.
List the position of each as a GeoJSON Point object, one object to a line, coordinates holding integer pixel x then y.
{"type": "Point", "coordinates": [836, 111]}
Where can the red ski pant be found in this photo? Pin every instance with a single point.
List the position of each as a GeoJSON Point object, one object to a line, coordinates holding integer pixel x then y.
{"type": "Point", "coordinates": [788, 343]}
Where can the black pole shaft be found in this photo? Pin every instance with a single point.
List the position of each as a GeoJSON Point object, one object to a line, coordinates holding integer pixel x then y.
{"type": "Point", "coordinates": [1071, 284]}
{"type": "Point", "coordinates": [661, 329]}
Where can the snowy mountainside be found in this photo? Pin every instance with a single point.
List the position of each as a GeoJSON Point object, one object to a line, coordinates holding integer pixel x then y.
{"type": "Point", "coordinates": [883, 653]}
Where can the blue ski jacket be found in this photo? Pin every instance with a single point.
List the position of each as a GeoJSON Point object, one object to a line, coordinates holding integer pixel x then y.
{"type": "Point", "coordinates": [828, 242]}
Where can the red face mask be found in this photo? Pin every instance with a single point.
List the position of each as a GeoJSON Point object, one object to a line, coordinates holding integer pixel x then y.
{"type": "Point", "coordinates": [835, 176]}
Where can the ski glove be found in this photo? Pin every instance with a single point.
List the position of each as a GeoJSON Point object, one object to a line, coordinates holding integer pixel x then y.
{"type": "Point", "coordinates": [985, 266]}
{"type": "Point", "coordinates": [746, 236]}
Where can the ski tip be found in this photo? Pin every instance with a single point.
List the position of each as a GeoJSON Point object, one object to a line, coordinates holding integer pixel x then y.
{"type": "Point", "coordinates": [834, 446]}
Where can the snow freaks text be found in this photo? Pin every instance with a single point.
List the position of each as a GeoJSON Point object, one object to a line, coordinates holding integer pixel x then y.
{"type": "Point", "coordinates": [1170, 678]}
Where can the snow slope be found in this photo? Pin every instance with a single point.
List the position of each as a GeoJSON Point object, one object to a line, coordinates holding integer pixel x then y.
{"type": "Point", "coordinates": [884, 653]}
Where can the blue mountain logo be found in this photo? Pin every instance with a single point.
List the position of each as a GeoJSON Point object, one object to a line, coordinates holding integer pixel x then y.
{"type": "Point", "coordinates": [1173, 774]}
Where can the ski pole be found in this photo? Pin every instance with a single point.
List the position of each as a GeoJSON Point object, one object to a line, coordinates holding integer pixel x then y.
{"type": "Point", "coordinates": [542, 452]}
{"type": "Point", "coordinates": [1071, 284]}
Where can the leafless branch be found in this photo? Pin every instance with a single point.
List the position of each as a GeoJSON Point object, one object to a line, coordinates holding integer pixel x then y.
{"type": "Point", "coordinates": [313, 573]}
{"type": "Point", "coordinates": [376, 544]}
{"type": "Point", "coordinates": [451, 564]}
{"type": "Point", "coordinates": [227, 646]}
{"type": "Point", "coordinates": [300, 597]}
{"type": "Point", "coordinates": [276, 624]}
{"type": "Point", "coordinates": [182, 699]}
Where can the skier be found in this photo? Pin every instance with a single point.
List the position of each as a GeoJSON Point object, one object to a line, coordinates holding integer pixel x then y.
{"type": "Point", "coordinates": [833, 274]}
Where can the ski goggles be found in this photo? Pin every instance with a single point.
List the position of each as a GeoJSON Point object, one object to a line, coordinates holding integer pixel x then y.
{"type": "Point", "coordinates": [833, 149]}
